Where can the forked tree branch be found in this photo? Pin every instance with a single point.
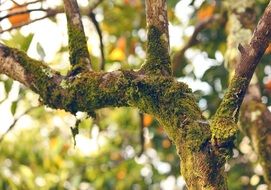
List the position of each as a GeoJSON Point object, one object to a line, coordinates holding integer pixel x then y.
{"type": "Point", "coordinates": [157, 60]}
{"type": "Point", "coordinates": [79, 55]}
{"type": "Point", "coordinates": [224, 123]}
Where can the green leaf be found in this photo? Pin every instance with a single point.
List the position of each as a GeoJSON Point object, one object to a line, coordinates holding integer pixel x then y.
{"type": "Point", "coordinates": [8, 85]}
{"type": "Point", "coordinates": [19, 41]}
{"type": "Point", "coordinates": [13, 107]}
{"type": "Point", "coordinates": [40, 51]}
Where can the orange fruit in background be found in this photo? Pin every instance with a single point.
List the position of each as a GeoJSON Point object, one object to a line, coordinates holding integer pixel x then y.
{"type": "Point", "coordinates": [205, 12]}
{"type": "Point", "coordinates": [268, 85]}
{"type": "Point", "coordinates": [18, 19]}
{"type": "Point", "coordinates": [268, 49]}
{"type": "Point", "coordinates": [147, 120]}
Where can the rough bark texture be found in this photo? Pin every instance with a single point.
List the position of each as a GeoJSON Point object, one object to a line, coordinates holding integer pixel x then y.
{"type": "Point", "coordinates": [255, 117]}
{"type": "Point", "coordinates": [228, 111]}
{"type": "Point", "coordinates": [157, 60]}
{"type": "Point", "coordinates": [203, 149]}
{"type": "Point", "coordinates": [79, 55]}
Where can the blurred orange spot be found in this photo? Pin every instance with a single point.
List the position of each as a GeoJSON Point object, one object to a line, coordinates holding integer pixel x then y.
{"type": "Point", "coordinates": [166, 143]}
{"type": "Point", "coordinates": [18, 19]}
{"type": "Point", "coordinates": [268, 49]}
{"type": "Point", "coordinates": [121, 43]}
{"type": "Point", "coordinates": [205, 12]}
{"type": "Point", "coordinates": [268, 85]}
{"type": "Point", "coordinates": [147, 120]}
{"type": "Point", "coordinates": [121, 174]}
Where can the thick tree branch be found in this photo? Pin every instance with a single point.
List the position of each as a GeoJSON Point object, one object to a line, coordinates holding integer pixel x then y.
{"type": "Point", "coordinates": [224, 123]}
{"type": "Point", "coordinates": [157, 60]}
{"type": "Point", "coordinates": [171, 102]}
{"type": "Point", "coordinates": [79, 55]}
{"type": "Point", "coordinates": [90, 90]}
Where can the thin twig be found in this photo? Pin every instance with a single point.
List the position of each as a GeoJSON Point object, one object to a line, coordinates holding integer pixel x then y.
{"type": "Point", "coordinates": [22, 12]}
{"type": "Point", "coordinates": [178, 56]}
{"type": "Point", "coordinates": [141, 134]}
{"type": "Point", "coordinates": [50, 13]}
{"type": "Point", "coordinates": [99, 32]}
{"type": "Point", "coordinates": [95, 5]}
{"type": "Point", "coordinates": [22, 5]}
{"type": "Point", "coordinates": [15, 122]}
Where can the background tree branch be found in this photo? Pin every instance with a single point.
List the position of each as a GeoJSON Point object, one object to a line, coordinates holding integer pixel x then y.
{"type": "Point", "coordinates": [224, 122]}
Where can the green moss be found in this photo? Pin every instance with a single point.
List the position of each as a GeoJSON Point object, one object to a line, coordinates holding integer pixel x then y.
{"type": "Point", "coordinates": [223, 129]}
{"type": "Point", "coordinates": [223, 125]}
{"type": "Point", "coordinates": [79, 55]}
{"type": "Point", "coordinates": [158, 60]}
{"type": "Point", "coordinates": [174, 105]}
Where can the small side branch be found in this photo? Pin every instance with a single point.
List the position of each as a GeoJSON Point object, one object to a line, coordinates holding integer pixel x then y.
{"type": "Point", "coordinates": [157, 60]}
{"type": "Point", "coordinates": [79, 55]}
{"type": "Point", "coordinates": [178, 56]}
{"type": "Point", "coordinates": [99, 32]}
{"type": "Point", "coordinates": [49, 13]}
{"type": "Point", "coordinates": [15, 122]}
{"type": "Point", "coordinates": [224, 122]}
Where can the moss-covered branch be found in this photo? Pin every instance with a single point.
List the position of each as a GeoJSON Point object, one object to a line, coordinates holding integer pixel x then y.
{"type": "Point", "coordinates": [158, 59]}
{"type": "Point", "coordinates": [170, 101]}
{"type": "Point", "coordinates": [79, 55]}
{"type": "Point", "coordinates": [224, 122]}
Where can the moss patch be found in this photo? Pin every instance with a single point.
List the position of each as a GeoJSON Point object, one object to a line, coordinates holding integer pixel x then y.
{"type": "Point", "coordinates": [79, 55]}
{"type": "Point", "coordinates": [223, 125]}
{"type": "Point", "coordinates": [158, 60]}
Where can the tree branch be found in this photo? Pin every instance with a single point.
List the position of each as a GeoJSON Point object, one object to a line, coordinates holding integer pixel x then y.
{"type": "Point", "coordinates": [178, 56]}
{"type": "Point", "coordinates": [15, 122]}
{"type": "Point", "coordinates": [99, 32]}
{"type": "Point", "coordinates": [79, 55]}
{"type": "Point", "coordinates": [49, 13]}
{"type": "Point", "coordinates": [157, 60]}
{"type": "Point", "coordinates": [224, 123]}
{"type": "Point", "coordinates": [90, 90]}
{"type": "Point", "coordinates": [255, 122]}
{"type": "Point", "coordinates": [22, 12]}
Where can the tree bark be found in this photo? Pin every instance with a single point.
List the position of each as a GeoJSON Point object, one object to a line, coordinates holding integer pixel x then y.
{"type": "Point", "coordinates": [255, 116]}
{"type": "Point", "coordinates": [203, 148]}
